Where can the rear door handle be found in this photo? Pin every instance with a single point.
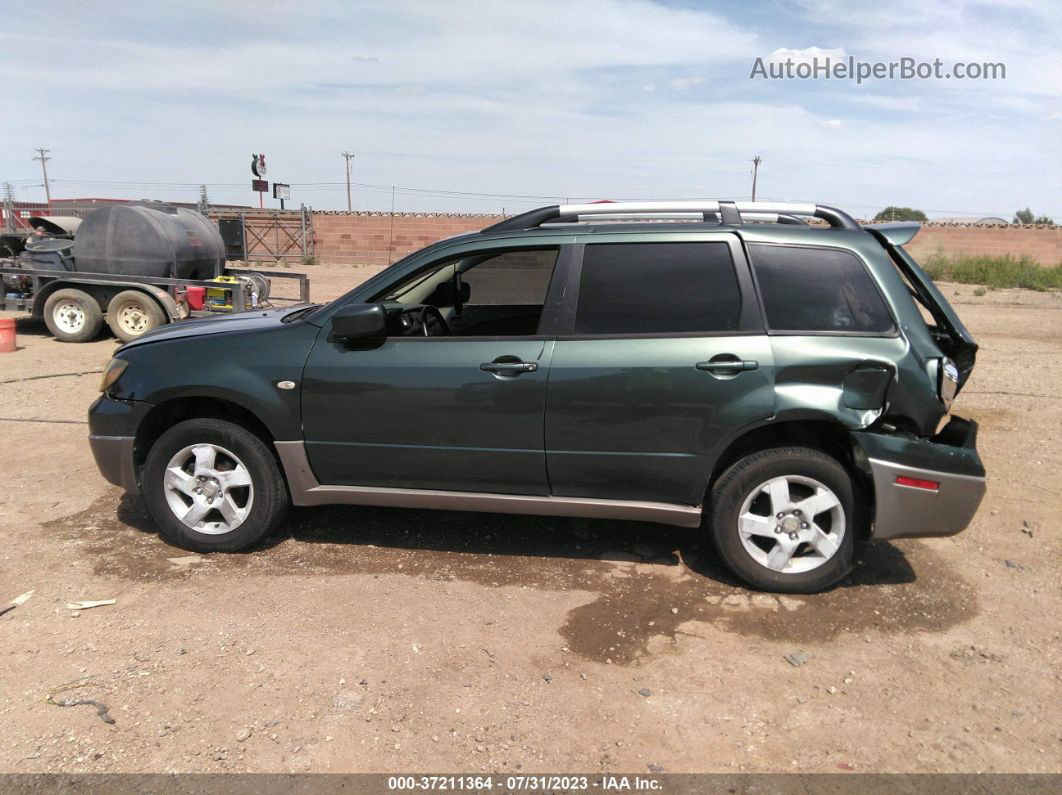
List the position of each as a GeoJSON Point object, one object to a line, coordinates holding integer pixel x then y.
{"type": "Point", "coordinates": [508, 368]}
{"type": "Point", "coordinates": [728, 366]}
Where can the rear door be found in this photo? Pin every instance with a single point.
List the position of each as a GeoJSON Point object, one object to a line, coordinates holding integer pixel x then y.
{"type": "Point", "coordinates": [661, 356]}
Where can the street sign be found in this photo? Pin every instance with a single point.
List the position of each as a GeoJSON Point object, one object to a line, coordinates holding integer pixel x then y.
{"type": "Point", "coordinates": [281, 190]}
{"type": "Point", "coordinates": [260, 185]}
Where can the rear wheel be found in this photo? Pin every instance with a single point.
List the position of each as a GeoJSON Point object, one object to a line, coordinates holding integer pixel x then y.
{"type": "Point", "coordinates": [787, 519]}
{"type": "Point", "coordinates": [132, 313]}
{"type": "Point", "coordinates": [72, 315]}
{"type": "Point", "coordinates": [213, 486]}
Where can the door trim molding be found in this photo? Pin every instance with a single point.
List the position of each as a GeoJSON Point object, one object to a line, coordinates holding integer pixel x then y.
{"type": "Point", "coordinates": [306, 490]}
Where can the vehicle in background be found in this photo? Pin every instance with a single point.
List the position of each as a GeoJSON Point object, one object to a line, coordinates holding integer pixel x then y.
{"type": "Point", "coordinates": [719, 365]}
{"type": "Point", "coordinates": [133, 266]}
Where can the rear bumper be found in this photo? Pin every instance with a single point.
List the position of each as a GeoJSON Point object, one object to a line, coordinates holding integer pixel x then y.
{"type": "Point", "coordinates": [949, 460]}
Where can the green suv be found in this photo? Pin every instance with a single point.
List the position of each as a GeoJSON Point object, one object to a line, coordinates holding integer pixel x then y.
{"type": "Point", "coordinates": [770, 372]}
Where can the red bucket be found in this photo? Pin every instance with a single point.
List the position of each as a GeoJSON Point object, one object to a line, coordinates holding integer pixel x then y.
{"type": "Point", "coordinates": [7, 334]}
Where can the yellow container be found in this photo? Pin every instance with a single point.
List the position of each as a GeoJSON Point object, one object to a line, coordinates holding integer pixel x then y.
{"type": "Point", "coordinates": [220, 297]}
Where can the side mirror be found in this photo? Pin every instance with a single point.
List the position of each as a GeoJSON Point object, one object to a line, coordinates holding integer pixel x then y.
{"type": "Point", "coordinates": [360, 321]}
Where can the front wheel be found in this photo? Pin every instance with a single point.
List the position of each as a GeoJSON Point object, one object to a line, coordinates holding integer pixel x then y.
{"type": "Point", "coordinates": [213, 486]}
{"type": "Point", "coordinates": [787, 519]}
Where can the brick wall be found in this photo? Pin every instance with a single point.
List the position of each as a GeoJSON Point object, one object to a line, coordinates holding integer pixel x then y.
{"type": "Point", "coordinates": [368, 238]}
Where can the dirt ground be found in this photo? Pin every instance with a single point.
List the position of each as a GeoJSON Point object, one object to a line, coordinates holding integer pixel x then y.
{"type": "Point", "coordinates": [392, 640]}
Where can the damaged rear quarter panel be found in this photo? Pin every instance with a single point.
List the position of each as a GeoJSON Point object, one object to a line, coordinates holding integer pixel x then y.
{"type": "Point", "coordinates": [811, 370]}
{"type": "Point", "coordinates": [851, 380]}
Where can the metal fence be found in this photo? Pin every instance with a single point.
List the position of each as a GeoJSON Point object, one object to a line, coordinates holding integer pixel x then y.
{"type": "Point", "coordinates": [269, 235]}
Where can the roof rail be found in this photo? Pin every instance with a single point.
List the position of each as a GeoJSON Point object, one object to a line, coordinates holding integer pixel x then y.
{"type": "Point", "coordinates": [711, 210]}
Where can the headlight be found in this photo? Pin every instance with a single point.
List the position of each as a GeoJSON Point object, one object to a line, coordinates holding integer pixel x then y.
{"type": "Point", "coordinates": [949, 381]}
{"type": "Point", "coordinates": [111, 373]}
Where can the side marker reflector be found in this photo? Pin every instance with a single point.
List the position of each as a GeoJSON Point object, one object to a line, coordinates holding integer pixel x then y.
{"type": "Point", "coordinates": [917, 483]}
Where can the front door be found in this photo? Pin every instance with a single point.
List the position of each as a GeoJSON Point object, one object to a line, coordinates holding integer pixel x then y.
{"type": "Point", "coordinates": [666, 357]}
{"type": "Point", "coordinates": [455, 413]}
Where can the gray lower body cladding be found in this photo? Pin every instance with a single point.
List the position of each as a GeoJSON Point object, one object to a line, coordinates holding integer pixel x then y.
{"type": "Point", "coordinates": [114, 459]}
{"type": "Point", "coordinates": [306, 490]}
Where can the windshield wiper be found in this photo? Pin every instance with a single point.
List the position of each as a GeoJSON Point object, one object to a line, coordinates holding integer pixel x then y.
{"type": "Point", "coordinates": [298, 313]}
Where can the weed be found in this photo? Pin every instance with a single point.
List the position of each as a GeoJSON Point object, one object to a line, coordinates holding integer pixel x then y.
{"type": "Point", "coordinates": [993, 272]}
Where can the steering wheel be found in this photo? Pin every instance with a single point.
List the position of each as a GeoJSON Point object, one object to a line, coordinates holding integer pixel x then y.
{"type": "Point", "coordinates": [432, 311]}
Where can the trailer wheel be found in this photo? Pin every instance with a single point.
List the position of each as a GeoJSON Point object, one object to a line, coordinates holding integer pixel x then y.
{"type": "Point", "coordinates": [72, 315]}
{"type": "Point", "coordinates": [132, 313]}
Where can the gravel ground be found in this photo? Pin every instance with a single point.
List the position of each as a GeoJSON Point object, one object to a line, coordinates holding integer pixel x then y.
{"type": "Point", "coordinates": [393, 640]}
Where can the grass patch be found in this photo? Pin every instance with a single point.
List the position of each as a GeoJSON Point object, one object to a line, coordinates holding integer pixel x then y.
{"type": "Point", "coordinates": [1008, 271]}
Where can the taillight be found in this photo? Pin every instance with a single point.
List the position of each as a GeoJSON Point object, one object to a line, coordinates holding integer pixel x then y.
{"type": "Point", "coordinates": [949, 381]}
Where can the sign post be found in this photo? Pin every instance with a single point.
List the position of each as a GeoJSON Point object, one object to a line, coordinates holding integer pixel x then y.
{"type": "Point", "coordinates": [281, 191]}
{"type": "Point", "coordinates": [258, 168]}
{"type": "Point", "coordinates": [261, 187]}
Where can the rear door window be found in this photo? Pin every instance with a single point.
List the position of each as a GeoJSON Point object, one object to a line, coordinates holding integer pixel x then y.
{"type": "Point", "coordinates": [657, 288]}
{"type": "Point", "coordinates": [818, 290]}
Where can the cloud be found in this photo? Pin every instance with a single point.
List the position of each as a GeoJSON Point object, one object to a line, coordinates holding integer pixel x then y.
{"type": "Point", "coordinates": [685, 83]}
{"type": "Point", "coordinates": [626, 98]}
{"type": "Point", "coordinates": [807, 55]}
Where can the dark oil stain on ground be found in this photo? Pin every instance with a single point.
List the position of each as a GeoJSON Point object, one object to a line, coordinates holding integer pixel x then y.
{"type": "Point", "coordinates": [649, 580]}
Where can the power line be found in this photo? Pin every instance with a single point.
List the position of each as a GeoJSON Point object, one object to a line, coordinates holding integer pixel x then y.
{"type": "Point", "coordinates": [226, 187]}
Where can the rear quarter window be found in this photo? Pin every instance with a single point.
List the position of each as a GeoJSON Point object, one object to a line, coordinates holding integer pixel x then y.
{"type": "Point", "coordinates": [818, 290]}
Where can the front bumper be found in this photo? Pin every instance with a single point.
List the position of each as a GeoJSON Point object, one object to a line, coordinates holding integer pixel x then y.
{"type": "Point", "coordinates": [114, 459]}
{"type": "Point", "coordinates": [112, 434]}
{"type": "Point", "coordinates": [949, 459]}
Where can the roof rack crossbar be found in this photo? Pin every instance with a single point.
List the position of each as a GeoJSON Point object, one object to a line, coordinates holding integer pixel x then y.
{"type": "Point", "coordinates": [730, 213]}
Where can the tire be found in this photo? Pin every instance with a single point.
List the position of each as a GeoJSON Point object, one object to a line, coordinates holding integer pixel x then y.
{"type": "Point", "coordinates": [169, 489]}
{"type": "Point", "coordinates": [72, 315]}
{"type": "Point", "coordinates": [793, 554]}
{"type": "Point", "coordinates": [132, 313]}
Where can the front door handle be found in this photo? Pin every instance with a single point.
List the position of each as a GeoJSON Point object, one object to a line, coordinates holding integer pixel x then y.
{"type": "Point", "coordinates": [727, 364]}
{"type": "Point", "coordinates": [508, 367]}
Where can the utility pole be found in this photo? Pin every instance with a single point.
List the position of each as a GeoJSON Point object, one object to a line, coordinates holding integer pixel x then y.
{"type": "Point", "coordinates": [204, 200]}
{"type": "Point", "coordinates": [9, 208]}
{"type": "Point", "coordinates": [755, 172]}
{"type": "Point", "coordinates": [347, 156]}
{"type": "Point", "coordinates": [43, 157]}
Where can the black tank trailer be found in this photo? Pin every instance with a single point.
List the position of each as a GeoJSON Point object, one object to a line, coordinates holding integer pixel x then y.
{"type": "Point", "coordinates": [134, 267]}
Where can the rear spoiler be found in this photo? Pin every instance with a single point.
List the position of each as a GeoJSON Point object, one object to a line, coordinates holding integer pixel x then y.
{"type": "Point", "coordinates": [899, 233]}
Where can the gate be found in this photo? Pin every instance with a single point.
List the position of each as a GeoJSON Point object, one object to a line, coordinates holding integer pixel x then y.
{"type": "Point", "coordinates": [264, 235]}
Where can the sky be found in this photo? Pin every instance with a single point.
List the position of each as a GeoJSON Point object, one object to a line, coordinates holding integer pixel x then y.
{"type": "Point", "coordinates": [484, 107]}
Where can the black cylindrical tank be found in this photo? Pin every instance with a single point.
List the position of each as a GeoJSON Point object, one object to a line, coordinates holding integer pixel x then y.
{"type": "Point", "coordinates": [169, 242]}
